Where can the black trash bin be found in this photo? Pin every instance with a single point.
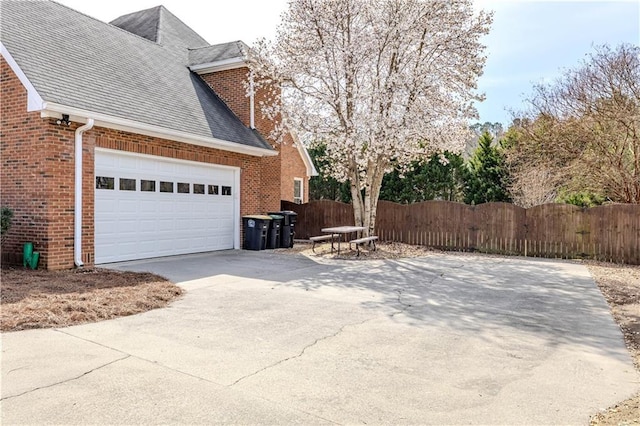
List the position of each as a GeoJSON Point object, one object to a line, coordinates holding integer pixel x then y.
{"type": "Point", "coordinates": [255, 231]}
{"type": "Point", "coordinates": [273, 235]}
{"type": "Point", "coordinates": [287, 230]}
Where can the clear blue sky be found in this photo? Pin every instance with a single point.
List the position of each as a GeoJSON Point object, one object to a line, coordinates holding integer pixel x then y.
{"type": "Point", "coordinates": [530, 41]}
{"type": "Point", "coordinates": [533, 41]}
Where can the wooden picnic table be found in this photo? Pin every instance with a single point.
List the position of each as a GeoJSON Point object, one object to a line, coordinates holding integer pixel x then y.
{"type": "Point", "coordinates": [344, 230]}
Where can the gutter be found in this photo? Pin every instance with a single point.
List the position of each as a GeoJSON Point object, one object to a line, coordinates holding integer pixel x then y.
{"type": "Point", "coordinates": [51, 109]}
{"type": "Point", "coordinates": [77, 211]}
{"type": "Point", "coordinates": [222, 65]}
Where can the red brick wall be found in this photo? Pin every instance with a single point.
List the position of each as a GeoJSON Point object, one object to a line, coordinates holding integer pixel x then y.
{"type": "Point", "coordinates": [292, 167]}
{"type": "Point", "coordinates": [229, 86]}
{"type": "Point", "coordinates": [37, 177]}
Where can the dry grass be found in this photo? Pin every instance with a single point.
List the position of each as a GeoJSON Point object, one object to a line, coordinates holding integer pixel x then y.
{"type": "Point", "coordinates": [44, 299]}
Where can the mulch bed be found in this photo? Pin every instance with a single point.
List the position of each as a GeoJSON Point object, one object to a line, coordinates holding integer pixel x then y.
{"type": "Point", "coordinates": [44, 299]}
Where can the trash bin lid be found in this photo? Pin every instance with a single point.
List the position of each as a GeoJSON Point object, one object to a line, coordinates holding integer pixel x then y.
{"type": "Point", "coordinates": [276, 216]}
{"type": "Point", "coordinates": [288, 213]}
{"type": "Point", "coordinates": [257, 216]}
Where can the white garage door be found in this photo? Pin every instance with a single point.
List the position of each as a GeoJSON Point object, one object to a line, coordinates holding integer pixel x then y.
{"type": "Point", "coordinates": [151, 206]}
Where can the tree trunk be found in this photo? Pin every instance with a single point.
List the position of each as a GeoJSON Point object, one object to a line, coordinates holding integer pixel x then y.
{"type": "Point", "coordinates": [373, 195]}
{"type": "Point", "coordinates": [365, 205]}
{"type": "Point", "coordinates": [356, 195]}
{"type": "Point", "coordinates": [358, 205]}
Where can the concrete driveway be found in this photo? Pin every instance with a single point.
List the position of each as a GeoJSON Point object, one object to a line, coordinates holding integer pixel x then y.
{"type": "Point", "coordinates": [271, 338]}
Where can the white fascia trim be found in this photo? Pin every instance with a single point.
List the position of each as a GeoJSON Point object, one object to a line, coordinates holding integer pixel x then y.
{"type": "Point", "coordinates": [50, 109]}
{"type": "Point", "coordinates": [304, 154]}
{"type": "Point", "coordinates": [34, 100]}
{"type": "Point", "coordinates": [223, 65]}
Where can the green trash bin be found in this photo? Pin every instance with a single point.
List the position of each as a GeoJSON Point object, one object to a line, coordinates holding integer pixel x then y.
{"type": "Point", "coordinates": [255, 228]}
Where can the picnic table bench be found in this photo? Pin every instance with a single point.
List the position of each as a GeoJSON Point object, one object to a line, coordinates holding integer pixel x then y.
{"type": "Point", "coordinates": [335, 233]}
{"type": "Point", "coordinates": [359, 241]}
{"type": "Point", "coordinates": [323, 238]}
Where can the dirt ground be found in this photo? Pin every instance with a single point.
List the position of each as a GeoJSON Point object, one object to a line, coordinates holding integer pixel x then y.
{"type": "Point", "coordinates": [42, 299]}
{"type": "Point", "coordinates": [620, 285]}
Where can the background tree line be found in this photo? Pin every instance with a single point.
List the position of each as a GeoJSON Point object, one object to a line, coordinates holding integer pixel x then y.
{"type": "Point", "coordinates": [482, 178]}
{"type": "Point", "coordinates": [578, 142]}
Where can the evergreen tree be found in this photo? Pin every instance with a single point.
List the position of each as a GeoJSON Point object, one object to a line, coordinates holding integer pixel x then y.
{"type": "Point", "coordinates": [488, 176]}
{"type": "Point", "coordinates": [441, 177]}
{"type": "Point", "coordinates": [324, 186]}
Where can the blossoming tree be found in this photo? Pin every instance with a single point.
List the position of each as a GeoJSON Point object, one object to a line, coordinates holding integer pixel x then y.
{"type": "Point", "coordinates": [380, 82]}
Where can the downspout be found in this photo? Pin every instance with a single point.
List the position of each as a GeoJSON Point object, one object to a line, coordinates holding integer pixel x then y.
{"type": "Point", "coordinates": [251, 102]}
{"type": "Point", "coordinates": [77, 212]}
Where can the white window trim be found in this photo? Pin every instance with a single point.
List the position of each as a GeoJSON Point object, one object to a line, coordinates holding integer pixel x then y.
{"type": "Point", "coordinates": [301, 198]}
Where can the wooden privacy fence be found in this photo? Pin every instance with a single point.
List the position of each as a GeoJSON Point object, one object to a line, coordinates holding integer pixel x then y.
{"type": "Point", "coordinates": [609, 233]}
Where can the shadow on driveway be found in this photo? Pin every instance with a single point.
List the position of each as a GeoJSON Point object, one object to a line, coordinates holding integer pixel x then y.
{"type": "Point", "coordinates": [557, 300]}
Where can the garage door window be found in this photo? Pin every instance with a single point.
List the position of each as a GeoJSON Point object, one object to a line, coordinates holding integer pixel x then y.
{"type": "Point", "coordinates": [127, 184]}
{"type": "Point", "coordinates": [213, 189]}
{"type": "Point", "coordinates": [148, 185]}
{"type": "Point", "coordinates": [104, 182]}
{"type": "Point", "coordinates": [198, 188]}
{"type": "Point", "coordinates": [166, 186]}
{"type": "Point", "coordinates": [183, 188]}
{"type": "Point", "coordinates": [226, 190]}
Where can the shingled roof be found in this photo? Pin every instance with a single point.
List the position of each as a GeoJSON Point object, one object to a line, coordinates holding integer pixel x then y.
{"type": "Point", "coordinates": [77, 61]}
{"type": "Point", "coordinates": [217, 52]}
{"type": "Point", "coordinates": [161, 26]}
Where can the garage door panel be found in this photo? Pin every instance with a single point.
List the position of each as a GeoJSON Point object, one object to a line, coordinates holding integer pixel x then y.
{"type": "Point", "coordinates": [142, 224]}
{"type": "Point", "coordinates": [125, 164]}
{"type": "Point", "coordinates": [147, 207]}
{"type": "Point", "coordinates": [127, 207]}
{"type": "Point", "coordinates": [128, 226]}
{"type": "Point", "coordinates": [105, 206]}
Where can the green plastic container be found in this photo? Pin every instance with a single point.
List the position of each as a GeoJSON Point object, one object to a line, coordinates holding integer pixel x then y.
{"type": "Point", "coordinates": [33, 262]}
{"type": "Point", "coordinates": [27, 254]}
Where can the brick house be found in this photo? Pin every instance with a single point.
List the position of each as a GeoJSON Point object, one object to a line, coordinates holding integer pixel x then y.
{"type": "Point", "coordinates": [131, 139]}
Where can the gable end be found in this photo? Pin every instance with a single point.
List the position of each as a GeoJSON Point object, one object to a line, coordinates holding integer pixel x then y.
{"type": "Point", "coordinates": [34, 100]}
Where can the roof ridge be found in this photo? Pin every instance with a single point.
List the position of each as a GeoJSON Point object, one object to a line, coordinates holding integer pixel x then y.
{"type": "Point", "coordinates": [159, 24]}
{"type": "Point", "coordinates": [103, 22]}
{"type": "Point", "coordinates": [162, 19]}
